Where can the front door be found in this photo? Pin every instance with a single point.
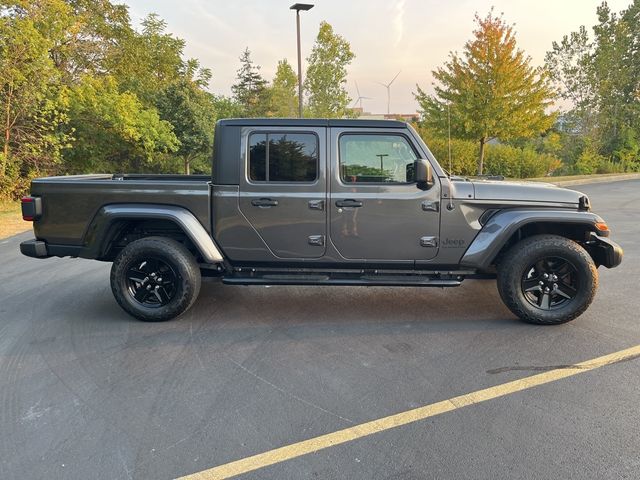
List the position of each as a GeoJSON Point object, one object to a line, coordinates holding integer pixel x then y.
{"type": "Point", "coordinates": [283, 189]}
{"type": "Point", "coordinates": [376, 210]}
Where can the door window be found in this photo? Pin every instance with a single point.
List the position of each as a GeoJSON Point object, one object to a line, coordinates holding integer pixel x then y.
{"type": "Point", "coordinates": [376, 158]}
{"type": "Point", "coordinates": [283, 157]}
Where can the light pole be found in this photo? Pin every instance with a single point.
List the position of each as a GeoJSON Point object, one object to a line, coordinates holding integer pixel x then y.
{"type": "Point", "coordinates": [297, 7]}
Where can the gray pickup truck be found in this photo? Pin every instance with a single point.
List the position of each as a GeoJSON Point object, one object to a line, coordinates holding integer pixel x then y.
{"type": "Point", "coordinates": [323, 202]}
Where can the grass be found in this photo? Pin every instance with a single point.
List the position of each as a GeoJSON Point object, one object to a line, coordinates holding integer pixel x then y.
{"type": "Point", "coordinates": [11, 219]}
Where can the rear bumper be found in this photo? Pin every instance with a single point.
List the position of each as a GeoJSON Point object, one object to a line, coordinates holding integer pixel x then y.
{"type": "Point", "coordinates": [604, 251]}
{"type": "Point", "coordinates": [34, 248]}
{"type": "Point", "coordinates": [40, 249]}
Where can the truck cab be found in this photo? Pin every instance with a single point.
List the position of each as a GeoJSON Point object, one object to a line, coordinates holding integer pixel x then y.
{"type": "Point", "coordinates": [330, 192]}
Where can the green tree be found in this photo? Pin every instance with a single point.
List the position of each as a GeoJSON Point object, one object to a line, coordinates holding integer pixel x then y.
{"type": "Point", "coordinates": [114, 131]}
{"type": "Point", "coordinates": [250, 90]}
{"type": "Point", "coordinates": [227, 107]}
{"type": "Point", "coordinates": [569, 64]}
{"type": "Point", "coordinates": [492, 90]}
{"type": "Point", "coordinates": [32, 103]}
{"type": "Point", "coordinates": [192, 113]}
{"type": "Point", "coordinates": [599, 75]}
{"type": "Point", "coordinates": [327, 74]}
{"type": "Point", "coordinates": [283, 96]}
{"type": "Point", "coordinates": [148, 62]}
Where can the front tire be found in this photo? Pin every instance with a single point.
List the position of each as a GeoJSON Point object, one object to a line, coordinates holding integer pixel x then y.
{"type": "Point", "coordinates": [155, 279]}
{"type": "Point", "coordinates": [547, 279]}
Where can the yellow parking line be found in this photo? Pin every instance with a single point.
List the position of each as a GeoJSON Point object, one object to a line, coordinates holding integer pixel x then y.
{"type": "Point", "coordinates": [298, 449]}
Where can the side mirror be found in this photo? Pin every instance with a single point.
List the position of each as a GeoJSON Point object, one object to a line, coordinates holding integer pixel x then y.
{"type": "Point", "coordinates": [424, 175]}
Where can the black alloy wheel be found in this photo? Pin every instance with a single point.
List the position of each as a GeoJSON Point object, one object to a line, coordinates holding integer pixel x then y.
{"type": "Point", "coordinates": [155, 279]}
{"type": "Point", "coordinates": [151, 282]}
{"type": "Point", "coordinates": [550, 283]}
{"type": "Point", "coordinates": [547, 279]}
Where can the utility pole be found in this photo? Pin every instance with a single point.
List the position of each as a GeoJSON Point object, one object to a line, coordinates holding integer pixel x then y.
{"type": "Point", "coordinates": [297, 7]}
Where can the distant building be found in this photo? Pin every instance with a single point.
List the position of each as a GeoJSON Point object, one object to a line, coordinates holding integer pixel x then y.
{"type": "Point", "coordinates": [405, 117]}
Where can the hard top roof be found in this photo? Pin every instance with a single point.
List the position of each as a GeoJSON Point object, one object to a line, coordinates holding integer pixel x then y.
{"type": "Point", "coordinates": [311, 122]}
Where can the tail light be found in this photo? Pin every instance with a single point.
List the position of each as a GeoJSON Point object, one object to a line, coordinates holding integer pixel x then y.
{"type": "Point", "coordinates": [31, 208]}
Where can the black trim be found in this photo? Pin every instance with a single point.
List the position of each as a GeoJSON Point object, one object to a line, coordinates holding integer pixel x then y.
{"type": "Point", "coordinates": [39, 249]}
{"type": "Point", "coordinates": [584, 204]}
{"type": "Point", "coordinates": [227, 156]}
{"type": "Point", "coordinates": [34, 248]}
{"type": "Point", "coordinates": [364, 280]}
{"type": "Point", "coordinates": [604, 251]}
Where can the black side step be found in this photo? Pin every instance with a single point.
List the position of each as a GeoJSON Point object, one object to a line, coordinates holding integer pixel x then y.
{"type": "Point", "coordinates": [372, 280]}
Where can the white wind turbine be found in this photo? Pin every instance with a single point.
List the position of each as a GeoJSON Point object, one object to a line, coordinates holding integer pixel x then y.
{"type": "Point", "coordinates": [388, 87]}
{"type": "Point", "coordinates": [360, 98]}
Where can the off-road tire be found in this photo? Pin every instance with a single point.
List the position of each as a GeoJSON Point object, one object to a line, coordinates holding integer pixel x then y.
{"type": "Point", "coordinates": [513, 268]}
{"type": "Point", "coordinates": [182, 265]}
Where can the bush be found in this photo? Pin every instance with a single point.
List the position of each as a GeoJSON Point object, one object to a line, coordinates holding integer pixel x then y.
{"type": "Point", "coordinates": [15, 184]}
{"type": "Point", "coordinates": [519, 162]}
{"type": "Point", "coordinates": [499, 159]}
{"type": "Point", "coordinates": [464, 155]}
{"type": "Point", "coordinates": [609, 166]}
{"type": "Point", "coordinates": [589, 161]}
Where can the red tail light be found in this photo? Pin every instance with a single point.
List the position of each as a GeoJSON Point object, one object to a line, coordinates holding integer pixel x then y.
{"type": "Point", "coordinates": [31, 208]}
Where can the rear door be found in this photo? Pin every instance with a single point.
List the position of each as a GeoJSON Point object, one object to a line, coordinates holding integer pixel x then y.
{"type": "Point", "coordinates": [283, 189]}
{"type": "Point", "coordinates": [376, 210]}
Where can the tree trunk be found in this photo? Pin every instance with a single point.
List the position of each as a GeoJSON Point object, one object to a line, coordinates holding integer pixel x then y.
{"type": "Point", "coordinates": [481, 156]}
{"type": "Point", "coordinates": [5, 152]}
{"type": "Point", "coordinates": [187, 165]}
{"type": "Point", "coordinates": [7, 138]}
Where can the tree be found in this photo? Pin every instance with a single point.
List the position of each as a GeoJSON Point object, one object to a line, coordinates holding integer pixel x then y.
{"type": "Point", "coordinates": [32, 103]}
{"type": "Point", "coordinates": [283, 96]}
{"type": "Point", "coordinates": [148, 62]}
{"type": "Point", "coordinates": [569, 67]}
{"type": "Point", "coordinates": [114, 131]}
{"type": "Point", "coordinates": [250, 90]}
{"type": "Point", "coordinates": [599, 75]}
{"type": "Point", "coordinates": [191, 111]}
{"type": "Point", "coordinates": [327, 74]}
{"type": "Point", "coordinates": [492, 90]}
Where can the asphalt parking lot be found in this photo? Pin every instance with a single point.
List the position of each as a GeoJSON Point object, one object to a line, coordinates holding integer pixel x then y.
{"type": "Point", "coordinates": [88, 392]}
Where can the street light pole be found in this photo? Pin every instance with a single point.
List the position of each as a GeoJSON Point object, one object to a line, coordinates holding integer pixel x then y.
{"type": "Point", "coordinates": [297, 7]}
{"type": "Point", "coordinates": [299, 65]}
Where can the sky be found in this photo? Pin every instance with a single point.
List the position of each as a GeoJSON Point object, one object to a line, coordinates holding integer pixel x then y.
{"type": "Point", "coordinates": [412, 37]}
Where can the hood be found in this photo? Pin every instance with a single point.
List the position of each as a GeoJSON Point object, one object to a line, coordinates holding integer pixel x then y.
{"type": "Point", "coordinates": [524, 191]}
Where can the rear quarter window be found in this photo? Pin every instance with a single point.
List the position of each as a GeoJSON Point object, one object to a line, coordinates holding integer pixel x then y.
{"type": "Point", "coordinates": [283, 157]}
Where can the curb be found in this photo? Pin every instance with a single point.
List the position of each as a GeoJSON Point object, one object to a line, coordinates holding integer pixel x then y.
{"type": "Point", "coordinates": [587, 181]}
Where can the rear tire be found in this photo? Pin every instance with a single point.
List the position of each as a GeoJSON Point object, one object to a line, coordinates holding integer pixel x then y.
{"type": "Point", "coordinates": [547, 279]}
{"type": "Point", "coordinates": [155, 279]}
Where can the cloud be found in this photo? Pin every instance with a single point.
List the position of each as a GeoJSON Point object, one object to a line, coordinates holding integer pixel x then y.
{"type": "Point", "coordinates": [398, 21]}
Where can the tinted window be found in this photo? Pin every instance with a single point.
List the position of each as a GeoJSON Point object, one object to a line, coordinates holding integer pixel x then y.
{"type": "Point", "coordinates": [283, 157]}
{"type": "Point", "coordinates": [376, 159]}
{"type": "Point", "coordinates": [257, 157]}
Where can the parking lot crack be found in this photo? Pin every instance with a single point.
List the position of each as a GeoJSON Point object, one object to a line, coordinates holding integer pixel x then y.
{"type": "Point", "coordinates": [545, 368]}
{"type": "Point", "coordinates": [289, 394]}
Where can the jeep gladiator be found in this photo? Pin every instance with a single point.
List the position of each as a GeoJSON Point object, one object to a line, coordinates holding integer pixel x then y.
{"type": "Point", "coordinates": [323, 202]}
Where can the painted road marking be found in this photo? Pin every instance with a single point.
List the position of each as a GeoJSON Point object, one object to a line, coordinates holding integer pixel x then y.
{"type": "Point", "coordinates": [298, 449]}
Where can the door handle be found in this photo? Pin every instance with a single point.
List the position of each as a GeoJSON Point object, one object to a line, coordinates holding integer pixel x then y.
{"type": "Point", "coordinates": [348, 203]}
{"type": "Point", "coordinates": [316, 204]}
{"type": "Point", "coordinates": [264, 202]}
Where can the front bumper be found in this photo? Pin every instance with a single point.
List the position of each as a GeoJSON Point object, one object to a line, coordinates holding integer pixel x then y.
{"type": "Point", "coordinates": [604, 251]}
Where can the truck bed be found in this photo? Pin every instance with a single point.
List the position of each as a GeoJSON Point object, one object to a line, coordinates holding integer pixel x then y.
{"type": "Point", "coordinates": [69, 203]}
